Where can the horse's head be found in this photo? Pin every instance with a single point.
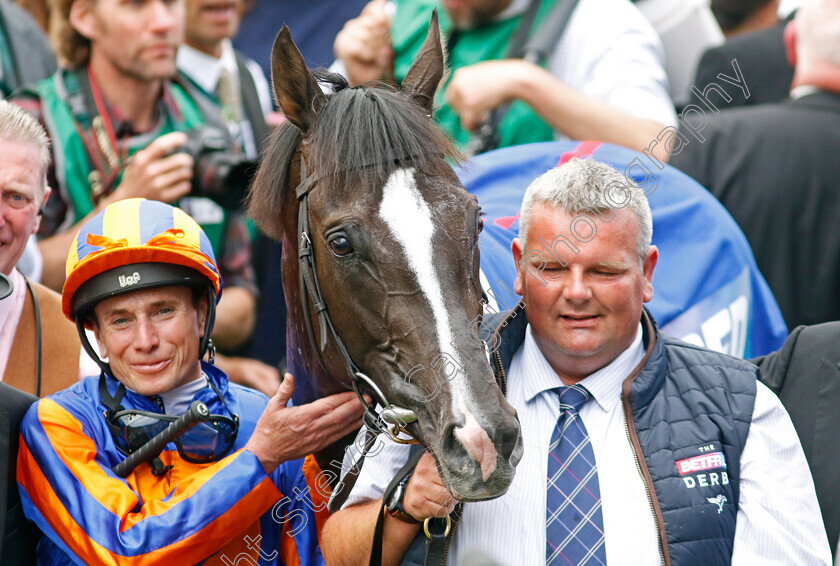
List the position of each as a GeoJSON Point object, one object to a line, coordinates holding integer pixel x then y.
{"type": "Point", "coordinates": [395, 240]}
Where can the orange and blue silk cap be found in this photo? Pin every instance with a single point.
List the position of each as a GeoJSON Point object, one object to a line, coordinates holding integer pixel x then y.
{"type": "Point", "coordinates": [132, 232]}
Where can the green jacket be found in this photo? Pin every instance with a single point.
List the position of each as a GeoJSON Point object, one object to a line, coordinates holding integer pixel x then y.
{"type": "Point", "coordinates": [408, 30]}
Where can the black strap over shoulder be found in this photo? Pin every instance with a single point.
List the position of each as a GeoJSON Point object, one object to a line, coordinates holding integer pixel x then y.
{"type": "Point", "coordinates": [523, 29]}
{"type": "Point", "coordinates": [37, 337]}
{"type": "Point", "coordinates": [536, 50]}
{"type": "Point", "coordinates": [251, 102]}
{"type": "Point", "coordinates": [206, 107]}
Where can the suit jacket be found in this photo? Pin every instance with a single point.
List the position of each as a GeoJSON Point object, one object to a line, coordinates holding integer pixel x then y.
{"type": "Point", "coordinates": [805, 373]}
{"type": "Point", "coordinates": [775, 170]}
{"type": "Point", "coordinates": [60, 346]}
{"type": "Point", "coordinates": [763, 61]}
{"type": "Point", "coordinates": [32, 55]}
{"type": "Point", "coordinates": [17, 545]}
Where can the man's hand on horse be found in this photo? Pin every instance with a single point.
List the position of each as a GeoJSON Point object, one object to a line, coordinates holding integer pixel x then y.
{"type": "Point", "coordinates": [476, 89]}
{"type": "Point", "coordinates": [156, 172]}
{"type": "Point", "coordinates": [425, 494]}
{"type": "Point", "coordinates": [364, 44]}
{"type": "Point", "coordinates": [288, 433]}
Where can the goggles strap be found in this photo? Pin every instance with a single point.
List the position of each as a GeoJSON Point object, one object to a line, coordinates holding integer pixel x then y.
{"type": "Point", "coordinates": [222, 398]}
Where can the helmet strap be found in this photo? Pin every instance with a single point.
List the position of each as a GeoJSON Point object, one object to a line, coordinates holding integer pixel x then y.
{"type": "Point", "coordinates": [209, 320]}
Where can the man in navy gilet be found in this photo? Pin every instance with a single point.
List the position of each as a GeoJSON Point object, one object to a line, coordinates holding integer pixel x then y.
{"type": "Point", "coordinates": [674, 454]}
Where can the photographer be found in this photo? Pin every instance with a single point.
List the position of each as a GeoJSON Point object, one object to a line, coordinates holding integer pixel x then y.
{"type": "Point", "coordinates": [117, 116]}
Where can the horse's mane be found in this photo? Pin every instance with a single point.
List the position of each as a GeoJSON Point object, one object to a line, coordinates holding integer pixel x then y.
{"type": "Point", "coordinates": [358, 137]}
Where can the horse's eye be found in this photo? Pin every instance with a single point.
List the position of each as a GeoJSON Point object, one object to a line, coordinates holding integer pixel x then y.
{"type": "Point", "coordinates": [340, 246]}
{"type": "Point", "coordinates": [479, 226]}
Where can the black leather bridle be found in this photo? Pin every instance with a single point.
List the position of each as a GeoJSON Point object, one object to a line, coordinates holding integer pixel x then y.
{"type": "Point", "coordinates": [393, 419]}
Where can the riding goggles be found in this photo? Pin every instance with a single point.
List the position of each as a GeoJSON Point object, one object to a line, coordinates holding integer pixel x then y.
{"type": "Point", "coordinates": [207, 441]}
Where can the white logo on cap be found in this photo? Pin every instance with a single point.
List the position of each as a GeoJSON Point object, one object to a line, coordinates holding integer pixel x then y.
{"type": "Point", "coordinates": [129, 280]}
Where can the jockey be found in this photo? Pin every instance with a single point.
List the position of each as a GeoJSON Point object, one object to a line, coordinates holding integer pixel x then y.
{"type": "Point", "coordinates": [142, 279]}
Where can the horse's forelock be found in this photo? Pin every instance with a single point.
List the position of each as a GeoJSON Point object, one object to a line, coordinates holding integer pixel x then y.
{"type": "Point", "coordinates": [359, 133]}
{"type": "Point", "coordinates": [366, 132]}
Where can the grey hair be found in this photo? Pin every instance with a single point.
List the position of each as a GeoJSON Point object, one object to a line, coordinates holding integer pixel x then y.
{"type": "Point", "coordinates": [586, 186]}
{"type": "Point", "coordinates": [17, 125]}
{"type": "Point", "coordinates": [818, 30]}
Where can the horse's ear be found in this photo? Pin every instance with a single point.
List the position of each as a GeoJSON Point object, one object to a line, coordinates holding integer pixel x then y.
{"type": "Point", "coordinates": [424, 76]}
{"type": "Point", "coordinates": [294, 86]}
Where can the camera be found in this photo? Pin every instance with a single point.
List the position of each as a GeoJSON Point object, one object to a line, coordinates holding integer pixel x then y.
{"type": "Point", "coordinates": [219, 173]}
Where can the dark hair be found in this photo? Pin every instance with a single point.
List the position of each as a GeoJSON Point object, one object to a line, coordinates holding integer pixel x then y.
{"type": "Point", "coordinates": [732, 13]}
{"type": "Point", "coordinates": [73, 48]}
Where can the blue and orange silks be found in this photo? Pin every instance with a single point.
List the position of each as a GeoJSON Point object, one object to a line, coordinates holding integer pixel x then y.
{"type": "Point", "coordinates": [224, 513]}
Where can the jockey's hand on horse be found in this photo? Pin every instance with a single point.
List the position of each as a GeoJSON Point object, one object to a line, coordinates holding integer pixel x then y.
{"type": "Point", "coordinates": [156, 173]}
{"type": "Point", "coordinates": [425, 494]}
{"type": "Point", "coordinates": [364, 44]}
{"type": "Point", "coordinates": [288, 433]}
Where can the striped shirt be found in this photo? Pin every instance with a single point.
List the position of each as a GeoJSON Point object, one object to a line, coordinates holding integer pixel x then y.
{"type": "Point", "coordinates": [778, 517]}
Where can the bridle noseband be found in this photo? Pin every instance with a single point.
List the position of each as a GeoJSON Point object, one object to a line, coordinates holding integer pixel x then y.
{"type": "Point", "coordinates": [393, 419]}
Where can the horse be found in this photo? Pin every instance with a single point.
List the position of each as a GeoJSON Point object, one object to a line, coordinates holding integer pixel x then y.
{"type": "Point", "coordinates": [380, 265]}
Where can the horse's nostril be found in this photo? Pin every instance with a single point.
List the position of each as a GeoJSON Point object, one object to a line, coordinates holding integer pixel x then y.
{"type": "Point", "coordinates": [507, 437]}
{"type": "Point", "coordinates": [449, 442]}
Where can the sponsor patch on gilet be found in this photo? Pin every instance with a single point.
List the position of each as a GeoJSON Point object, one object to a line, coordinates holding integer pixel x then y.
{"type": "Point", "coordinates": [703, 466]}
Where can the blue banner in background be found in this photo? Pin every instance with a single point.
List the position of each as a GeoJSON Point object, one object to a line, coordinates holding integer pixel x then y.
{"type": "Point", "coordinates": [707, 287]}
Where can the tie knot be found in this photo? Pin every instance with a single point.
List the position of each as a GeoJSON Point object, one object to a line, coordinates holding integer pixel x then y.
{"type": "Point", "coordinates": [229, 96]}
{"type": "Point", "coordinates": [573, 397]}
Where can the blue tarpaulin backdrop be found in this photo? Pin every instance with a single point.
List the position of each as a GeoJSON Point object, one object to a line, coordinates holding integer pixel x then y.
{"type": "Point", "coordinates": [707, 288]}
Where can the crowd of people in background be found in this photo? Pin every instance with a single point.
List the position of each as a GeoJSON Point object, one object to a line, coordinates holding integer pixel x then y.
{"type": "Point", "coordinates": [105, 102]}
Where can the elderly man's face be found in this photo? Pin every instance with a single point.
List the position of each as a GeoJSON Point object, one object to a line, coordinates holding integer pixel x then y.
{"type": "Point", "coordinates": [473, 13]}
{"type": "Point", "coordinates": [587, 312]}
{"type": "Point", "coordinates": [136, 39]}
{"type": "Point", "coordinates": [21, 187]}
{"type": "Point", "coordinates": [211, 21]}
{"type": "Point", "coordinates": [151, 337]}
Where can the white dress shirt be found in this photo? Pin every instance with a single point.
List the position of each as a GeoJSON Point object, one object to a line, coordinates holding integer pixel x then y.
{"type": "Point", "coordinates": [687, 29]}
{"type": "Point", "coordinates": [611, 52]}
{"type": "Point", "coordinates": [778, 517]}
{"type": "Point", "coordinates": [205, 70]}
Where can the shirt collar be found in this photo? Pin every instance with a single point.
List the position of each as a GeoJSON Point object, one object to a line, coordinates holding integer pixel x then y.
{"type": "Point", "coordinates": [515, 8]}
{"type": "Point", "coordinates": [205, 69]}
{"type": "Point", "coordinates": [803, 90]}
{"type": "Point", "coordinates": [604, 384]}
{"type": "Point", "coordinates": [16, 299]}
{"type": "Point", "coordinates": [177, 400]}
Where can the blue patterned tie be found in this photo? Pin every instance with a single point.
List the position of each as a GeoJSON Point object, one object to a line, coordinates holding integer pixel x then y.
{"type": "Point", "coordinates": [574, 529]}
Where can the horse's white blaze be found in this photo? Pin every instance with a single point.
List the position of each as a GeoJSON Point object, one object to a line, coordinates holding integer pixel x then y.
{"type": "Point", "coordinates": [409, 218]}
